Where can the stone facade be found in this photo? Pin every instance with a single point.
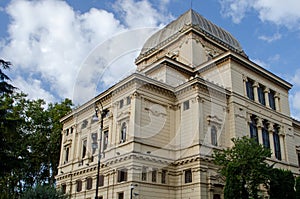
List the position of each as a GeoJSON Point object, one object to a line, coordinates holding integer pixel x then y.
{"type": "Point", "coordinates": [191, 93]}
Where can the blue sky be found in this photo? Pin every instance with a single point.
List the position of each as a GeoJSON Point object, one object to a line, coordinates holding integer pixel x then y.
{"type": "Point", "coordinates": [50, 42]}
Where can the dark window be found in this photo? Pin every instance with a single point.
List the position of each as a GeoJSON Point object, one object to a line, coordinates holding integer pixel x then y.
{"type": "Point", "coordinates": [105, 140]}
{"type": "Point", "coordinates": [71, 130]}
{"type": "Point", "coordinates": [89, 183]}
{"type": "Point", "coordinates": [217, 196]}
{"type": "Point", "coordinates": [144, 174]}
{"type": "Point", "coordinates": [67, 154]}
{"type": "Point", "coordinates": [121, 195]}
{"type": "Point", "coordinates": [249, 87]}
{"type": "Point", "coordinates": [214, 136]}
{"type": "Point", "coordinates": [128, 100]}
{"type": "Point", "coordinates": [261, 94]}
{"type": "Point", "coordinates": [298, 158]}
{"type": "Point", "coordinates": [63, 188]}
{"type": "Point", "coordinates": [186, 105]}
{"type": "Point", "coordinates": [277, 143]}
{"type": "Point", "coordinates": [272, 99]}
{"type": "Point", "coordinates": [154, 175]}
{"type": "Point", "coordinates": [101, 181]}
{"type": "Point", "coordinates": [253, 128]}
{"type": "Point", "coordinates": [188, 176]}
{"type": "Point", "coordinates": [122, 175]}
{"type": "Point", "coordinates": [67, 132]}
{"type": "Point", "coordinates": [121, 103]}
{"type": "Point", "coordinates": [123, 132]}
{"type": "Point", "coordinates": [265, 135]}
{"type": "Point", "coordinates": [84, 144]}
{"type": "Point", "coordinates": [78, 185]}
{"type": "Point", "coordinates": [163, 176]}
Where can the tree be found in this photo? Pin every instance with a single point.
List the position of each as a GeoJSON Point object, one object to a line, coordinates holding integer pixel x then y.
{"type": "Point", "coordinates": [282, 184]}
{"type": "Point", "coordinates": [298, 187]}
{"type": "Point", "coordinates": [31, 142]}
{"type": "Point", "coordinates": [5, 87]}
{"type": "Point", "coordinates": [244, 167]}
{"type": "Point", "coordinates": [40, 192]}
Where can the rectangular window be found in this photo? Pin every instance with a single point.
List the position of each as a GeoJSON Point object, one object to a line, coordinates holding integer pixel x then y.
{"type": "Point", "coordinates": [144, 174]}
{"type": "Point", "coordinates": [67, 154]}
{"type": "Point", "coordinates": [84, 124]}
{"type": "Point", "coordinates": [154, 175]}
{"type": "Point", "coordinates": [265, 135]}
{"type": "Point", "coordinates": [261, 94]}
{"type": "Point", "coordinates": [276, 143]}
{"type": "Point", "coordinates": [78, 185]}
{"type": "Point", "coordinates": [121, 195]}
{"type": "Point", "coordinates": [89, 183]}
{"type": "Point", "coordinates": [63, 188]}
{"type": "Point", "coordinates": [105, 140]}
{"type": "Point", "coordinates": [298, 158]}
{"type": "Point", "coordinates": [128, 100]}
{"type": "Point", "coordinates": [188, 176]}
{"type": "Point", "coordinates": [121, 103]}
{"type": "Point", "coordinates": [249, 88]}
{"type": "Point", "coordinates": [163, 176]}
{"type": "Point", "coordinates": [84, 145]}
{"type": "Point", "coordinates": [272, 99]}
{"type": "Point", "coordinates": [186, 105]}
{"type": "Point", "coordinates": [94, 142]}
{"type": "Point", "coordinates": [122, 175]}
{"type": "Point", "coordinates": [101, 181]}
{"type": "Point", "coordinates": [253, 128]}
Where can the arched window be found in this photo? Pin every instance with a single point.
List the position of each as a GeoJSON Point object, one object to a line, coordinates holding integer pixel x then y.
{"type": "Point", "coordinates": [123, 132]}
{"type": "Point", "coordinates": [214, 136]}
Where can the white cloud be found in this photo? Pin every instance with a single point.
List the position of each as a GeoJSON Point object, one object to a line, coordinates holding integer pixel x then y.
{"type": "Point", "coordinates": [140, 14]}
{"type": "Point", "coordinates": [34, 88]}
{"type": "Point", "coordinates": [51, 39]}
{"type": "Point", "coordinates": [295, 104]}
{"type": "Point", "coordinates": [284, 13]}
{"type": "Point", "coordinates": [271, 38]}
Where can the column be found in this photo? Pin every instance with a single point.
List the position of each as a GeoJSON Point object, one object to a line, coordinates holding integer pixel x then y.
{"type": "Point", "coordinates": [245, 84]}
{"type": "Point", "coordinates": [266, 92]}
{"type": "Point", "coordinates": [255, 91]}
{"type": "Point", "coordinates": [259, 130]}
{"type": "Point", "coordinates": [277, 105]}
{"type": "Point", "coordinates": [282, 143]}
{"type": "Point", "coordinates": [271, 131]}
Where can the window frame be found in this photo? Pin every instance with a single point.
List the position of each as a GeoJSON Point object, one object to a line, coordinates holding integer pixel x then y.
{"type": "Point", "coordinates": [214, 135]}
{"type": "Point", "coordinates": [188, 176]}
{"type": "Point", "coordinates": [89, 183]}
{"type": "Point", "coordinates": [122, 175]}
{"type": "Point", "coordinates": [186, 105]}
{"type": "Point", "coordinates": [123, 132]}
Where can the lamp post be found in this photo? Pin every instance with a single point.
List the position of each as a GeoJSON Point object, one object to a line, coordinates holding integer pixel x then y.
{"type": "Point", "coordinates": [95, 118]}
{"type": "Point", "coordinates": [132, 186]}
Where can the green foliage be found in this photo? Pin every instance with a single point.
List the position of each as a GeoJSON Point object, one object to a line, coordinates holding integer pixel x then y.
{"type": "Point", "coordinates": [30, 142]}
{"type": "Point", "coordinates": [298, 187]}
{"type": "Point", "coordinates": [5, 87]}
{"type": "Point", "coordinates": [282, 184]}
{"type": "Point", "coordinates": [244, 167]}
{"type": "Point", "coordinates": [43, 192]}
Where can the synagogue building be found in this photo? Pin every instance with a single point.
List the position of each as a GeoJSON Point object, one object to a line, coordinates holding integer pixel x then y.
{"type": "Point", "coordinates": [193, 90]}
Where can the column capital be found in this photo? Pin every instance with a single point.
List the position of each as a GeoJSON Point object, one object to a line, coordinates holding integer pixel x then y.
{"type": "Point", "coordinates": [255, 84]}
{"type": "Point", "coordinates": [266, 90]}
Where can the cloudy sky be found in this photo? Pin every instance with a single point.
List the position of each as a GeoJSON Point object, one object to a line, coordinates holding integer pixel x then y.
{"type": "Point", "coordinates": [55, 45]}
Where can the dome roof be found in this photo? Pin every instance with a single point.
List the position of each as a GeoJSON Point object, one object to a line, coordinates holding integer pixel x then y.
{"type": "Point", "coordinates": [191, 18]}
